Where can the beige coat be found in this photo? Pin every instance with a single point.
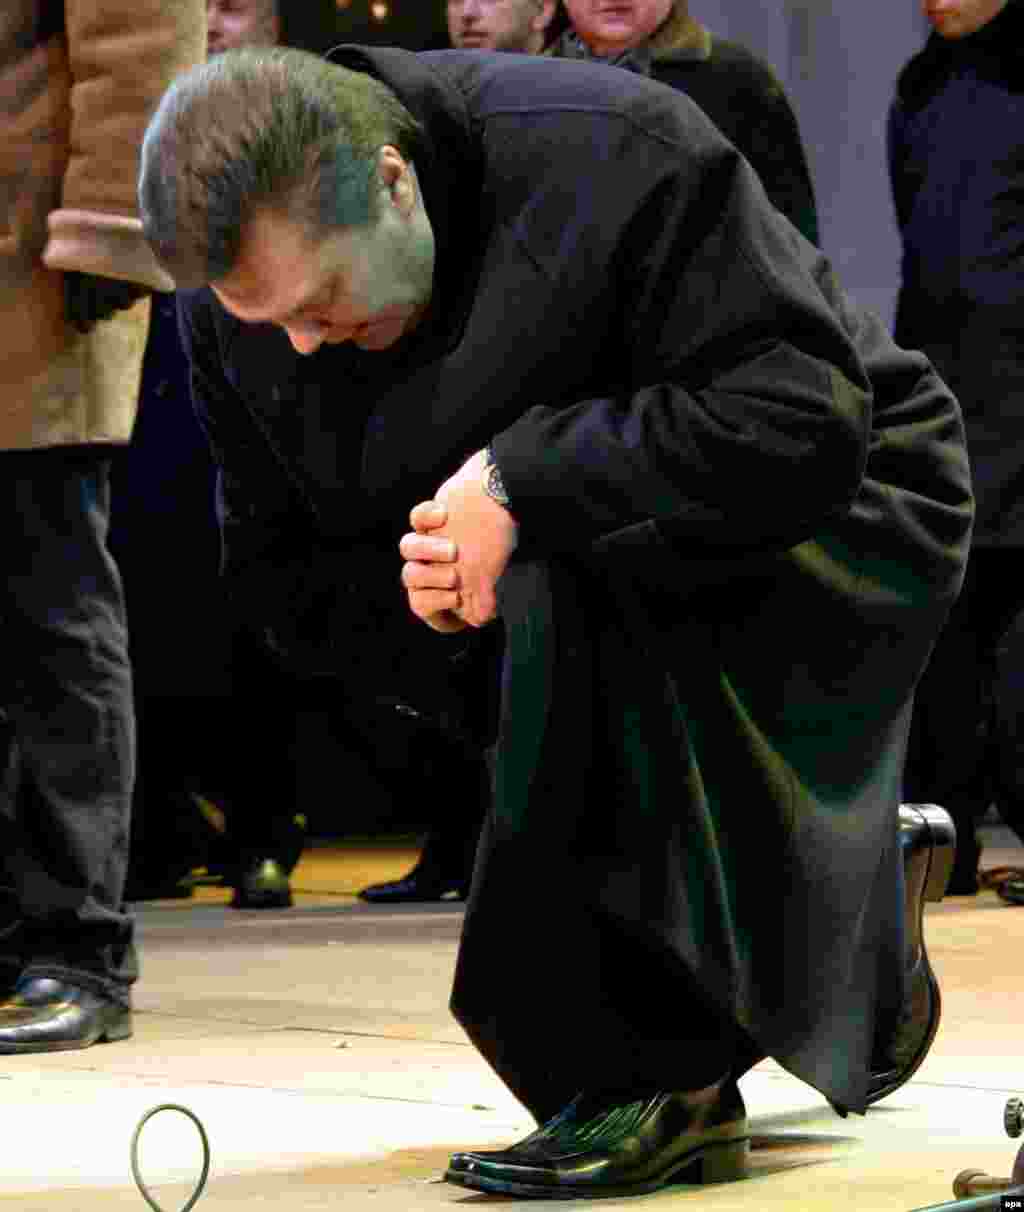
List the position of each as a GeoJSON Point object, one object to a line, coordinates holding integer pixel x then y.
{"type": "Point", "coordinates": [74, 102]}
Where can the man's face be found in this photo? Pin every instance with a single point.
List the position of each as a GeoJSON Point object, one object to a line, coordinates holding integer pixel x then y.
{"type": "Point", "coordinates": [231, 24]}
{"type": "Point", "coordinates": [369, 285]}
{"type": "Point", "coordinates": [611, 26]}
{"type": "Point", "coordinates": [498, 25]}
{"type": "Point", "coordinates": [959, 18]}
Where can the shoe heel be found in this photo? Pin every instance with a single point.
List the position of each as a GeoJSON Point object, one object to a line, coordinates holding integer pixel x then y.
{"type": "Point", "coordinates": [943, 836]}
{"type": "Point", "coordinates": [724, 1163]}
{"type": "Point", "coordinates": [119, 1026]}
{"type": "Point", "coordinates": [939, 871]}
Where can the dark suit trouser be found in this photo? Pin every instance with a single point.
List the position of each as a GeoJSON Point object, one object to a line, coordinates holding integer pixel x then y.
{"type": "Point", "coordinates": [65, 688]}
{"type": "Point", "coordinates": [953, 757]}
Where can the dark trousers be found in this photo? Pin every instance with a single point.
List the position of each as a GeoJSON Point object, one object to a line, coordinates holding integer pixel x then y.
{"type": "Point", "coordinates": [954, 755]}
{"type": "Point", "coordinates": [65, 689]}
{"type": "Point", "coordinates": [451, 845]}
{"type": "Point", "coordinates": [255, 778]}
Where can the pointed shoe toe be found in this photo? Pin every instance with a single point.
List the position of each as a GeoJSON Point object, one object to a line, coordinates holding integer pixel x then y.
{"type": "Point", "coordinates": [44, 1015]}
{"type": "Point", "coordinates": [616, 1144]}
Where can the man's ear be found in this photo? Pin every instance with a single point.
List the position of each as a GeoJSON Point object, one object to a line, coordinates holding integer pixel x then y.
{"type": "Point", "coordinates": [397, 177]}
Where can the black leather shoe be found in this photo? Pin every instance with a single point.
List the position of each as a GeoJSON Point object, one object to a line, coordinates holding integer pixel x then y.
{"type": "Point", "coordinates": [928, 839]}
{"type": "Point", "coordinates": [44, 1015]}
{"type": "Point", "coordinates": [261, 884]}
{"type": "Point", "coordinates": [421, 884]}
{"type": "Point", "coordinates": [619, 1143]}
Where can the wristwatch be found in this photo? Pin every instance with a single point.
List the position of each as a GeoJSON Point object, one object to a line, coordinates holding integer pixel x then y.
{"type": "Point", "coordinates": [494, 485]}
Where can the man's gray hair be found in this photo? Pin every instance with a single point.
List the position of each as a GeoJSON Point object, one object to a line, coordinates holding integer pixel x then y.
{"type": "Point", "coordinates": [253, 129]}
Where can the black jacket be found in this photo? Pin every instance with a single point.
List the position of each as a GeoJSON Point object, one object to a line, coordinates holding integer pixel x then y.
{"type": "Point", "coordinates": [689, 413]}
{"type": "Point", "coordinates": [956, 152]}
{"type": "Point", "coordinates": [635, 334]}
{"type": "Point", "coordinates": [744, 98]}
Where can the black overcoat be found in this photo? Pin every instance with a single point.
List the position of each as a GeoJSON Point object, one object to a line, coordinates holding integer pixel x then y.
{"type": "Point", "coordinates": [744, 98]}
{"type": "Point", "coordinates": [741, 507]}
{"type": "Point", "coordinates": [956, 156]}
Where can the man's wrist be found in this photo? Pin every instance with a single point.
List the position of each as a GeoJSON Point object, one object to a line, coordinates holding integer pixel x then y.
{"type": "Point", "coordinates": [494, 485]}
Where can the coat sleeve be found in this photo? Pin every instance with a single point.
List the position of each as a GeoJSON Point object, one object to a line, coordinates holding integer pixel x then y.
{"type": "Point", "coordinates": [122, 55]}
{"type": "Point", "coordinates": [746, 416]}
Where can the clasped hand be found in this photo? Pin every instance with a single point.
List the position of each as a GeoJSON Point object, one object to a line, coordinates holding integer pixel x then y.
{"type": "Point", "coordinates": [460, 546]}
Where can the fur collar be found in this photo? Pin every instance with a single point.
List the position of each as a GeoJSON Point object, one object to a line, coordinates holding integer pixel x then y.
{"type": "Point", "coordinates": [680, 37]}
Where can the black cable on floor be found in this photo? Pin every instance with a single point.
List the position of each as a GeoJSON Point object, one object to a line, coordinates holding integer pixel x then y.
{"type": "Point", "coordinates": [134, 1155]}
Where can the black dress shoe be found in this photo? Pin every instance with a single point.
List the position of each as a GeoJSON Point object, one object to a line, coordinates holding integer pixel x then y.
{"type": "Point", "coordinates": [421, 884]}
{"type": "Point", "coordinates": [619, 1143]}
{"type": "Point", "coordinates": [928, 840]}
{"type": "Point", "coordinates": [44, 1015]}
{"type": "Point", "coordinates": [261, 884]}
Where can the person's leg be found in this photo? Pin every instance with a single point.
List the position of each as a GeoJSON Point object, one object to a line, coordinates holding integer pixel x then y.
{"type": "Point", "coordinates": [248, 770]}
{"type": "Point", "coordinates": [459, 782]}
{"type": "Point", "coordinates": [457, 775]}
{"type": "Point", "coordinates": [1009, 693]}
{"type": "Point", "coordinates": [258, 783]}
{"type": "Point", "coordinates": [171, 836]}
{"type": "Point", "coordinates": [650, 1095]}
{"type": "Point", "coordinates": [1000, 624]}
{"type": "Point", "coordinates": [68, 690]}
{"type": "Point", "coordinates": [10, 913]}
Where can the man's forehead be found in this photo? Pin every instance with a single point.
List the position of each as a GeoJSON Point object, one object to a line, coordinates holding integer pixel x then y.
{"type": "Point", "coordinates": [279, 266]}
{"type": "Point", "coordinates": [275, 255]}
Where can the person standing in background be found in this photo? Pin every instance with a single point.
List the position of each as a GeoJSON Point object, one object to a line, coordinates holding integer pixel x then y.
{"type": "Point", "coordinates": [956, 158]}
{"type": "Point", "coordinates": [233, 23]}
{"type": "Point", "coordinates": [192, 663]}
{"type": "Point", "coordinates": [200, 658]}
{"type": "Point", "coordinates": [738, 91]}
{"type": "Point", "coordinates": [78, 81]}
{"type": "Point", "coordinates": [524, 26]}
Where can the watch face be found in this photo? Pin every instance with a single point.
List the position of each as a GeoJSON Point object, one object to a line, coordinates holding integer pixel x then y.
{"type": "Point", "coordinates": [493, 485]}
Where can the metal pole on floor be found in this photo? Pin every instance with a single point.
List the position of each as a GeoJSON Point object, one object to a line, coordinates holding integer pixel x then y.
{"type": "Point", "coordinates": [992, 1202]}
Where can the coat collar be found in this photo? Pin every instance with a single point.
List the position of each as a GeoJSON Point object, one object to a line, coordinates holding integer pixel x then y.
{"type": "Point", "coordinates": [681, 37]}
{"type": "Point", "coordinates": [449, 167]}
